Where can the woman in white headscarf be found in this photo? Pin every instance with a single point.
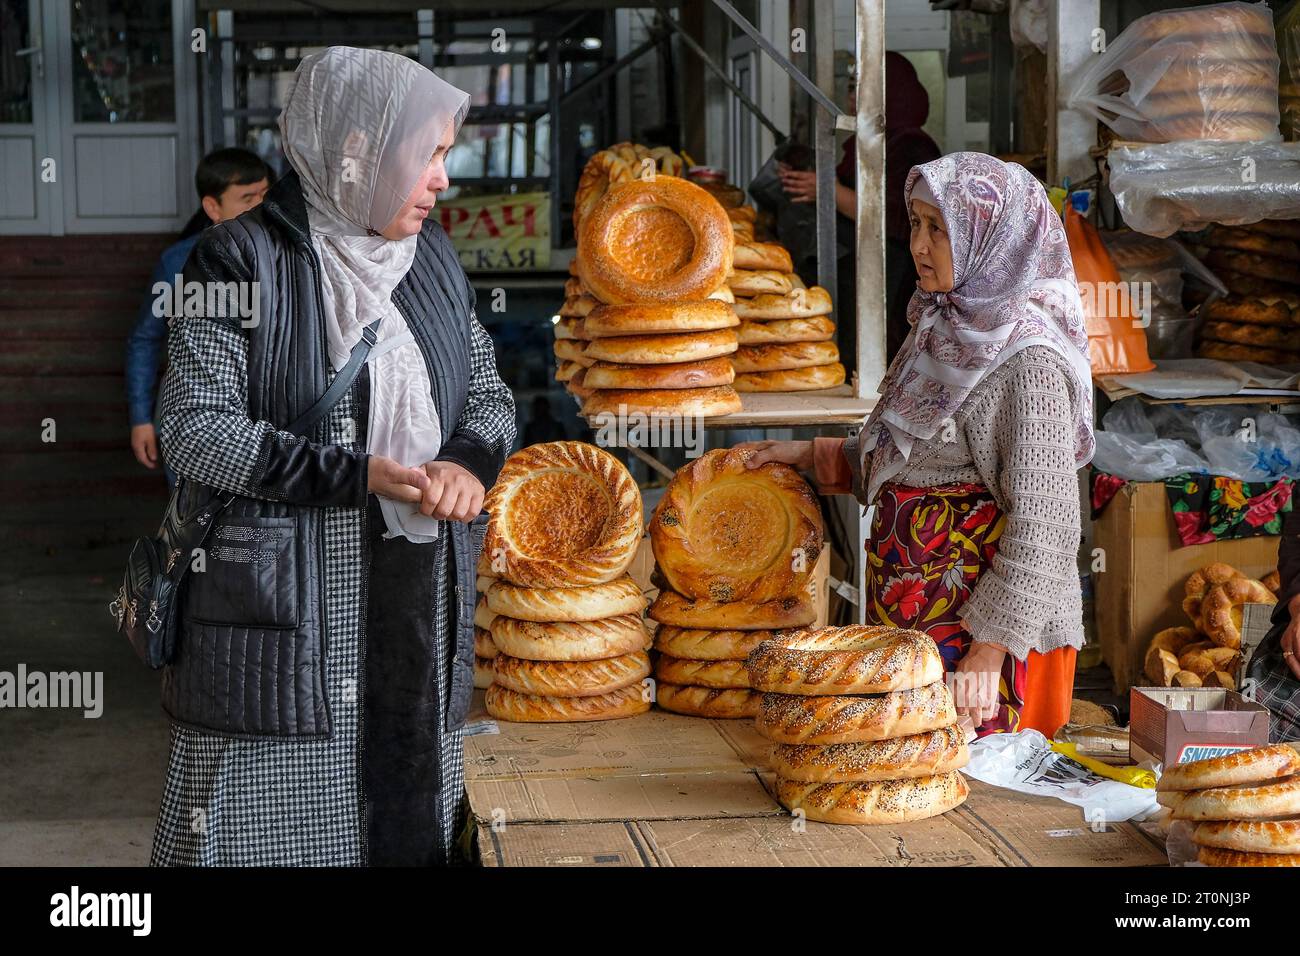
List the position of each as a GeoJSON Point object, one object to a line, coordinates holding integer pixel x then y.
{"type": "Point", "coordinates": [325, 660]}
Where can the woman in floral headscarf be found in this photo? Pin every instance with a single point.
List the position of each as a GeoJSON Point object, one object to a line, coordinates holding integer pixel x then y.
{"type": "Point", "coordinates": [970, 456]}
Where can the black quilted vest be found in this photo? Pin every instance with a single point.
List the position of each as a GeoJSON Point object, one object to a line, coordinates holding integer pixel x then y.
{"type": "Point", "coordinates": [254, 639]}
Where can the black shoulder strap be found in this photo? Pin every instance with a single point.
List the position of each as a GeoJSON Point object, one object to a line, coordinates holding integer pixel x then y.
{"type": "Point", "coordinates": [342, 381]}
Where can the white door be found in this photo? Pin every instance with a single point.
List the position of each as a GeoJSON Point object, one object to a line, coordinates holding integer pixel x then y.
{"type": "Point", "coordinates": [96, 116]}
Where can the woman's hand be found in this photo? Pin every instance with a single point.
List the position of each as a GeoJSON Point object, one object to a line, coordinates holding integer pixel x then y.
{"type": "Point", "coordinates": [796, 453]}
{"type": "Point", "coordinates": [799, 184]}
{"type": "Point", "coordinates": [144, 442]}
{"type": "Point", "coordinates": [1291, 638]}
{"type": "Point", "coordinates": [387, 478]}
{"type": "Point", "coordinates": [976, 680]}
{"type": "Point", "coordinates": [453, 492]}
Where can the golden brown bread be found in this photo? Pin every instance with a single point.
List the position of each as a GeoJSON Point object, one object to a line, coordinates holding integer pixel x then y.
{"type": "Point", "coordinates": [571, 350]}
{"type": "Point", "coordinates": [712, 702]}
{"type": "Point", "coordinates": [575, 307]}
{"type": "Point", "coordinates": [562, 514]}
{"type": "Point", "coordinates": [725, 532]}
{"type": "Point", "coordinates": [641, 318]}
{"type": "Point", "coordinates": [791, 380]}
{"type": "Point", "coordinates": [776, 358]}
{"type": "Point", "coordinates": [723, 293]}
{"type": "Point", "coordinates": [1184, 678]}
{"type": "Point", "coordinates": [1198, 584]}
{"type": "Point", "coordinates": [483, 645]}
{"type": "Point", "coordinates": [620, 163]}
{"type": "Point", "coordinates": [762, 255]}
{"type": "Point", "coordinates": [505, 704]}
{"type": "Point", "coordinates": [1226, 352]}
{"type": "Point", "coordinates": [571, 678]}
{"type": "Point", "coordinates": [482, 616]}
{"type": "Point", "coordinates": [1221, 613]}
{"type": "Point", "coordinates": [661, 349]}
{"type": "Point", "coordinates": [660, 240]}
{"type": "Point", "coordinates": [879, 802]}
{"type": "Point", "coordinates": [1252, 264]}
{"type": "Point", "coordinates": [677, 402]}
{"type": "Point", "coordinates": [573, 286]}
{"type": "Point", "coordinates": [717, 674]}
{"type": "Point", "coordinates": [845, 719]}
{"type": "Point", "coordinates": [707, 373]}
{"type": "Point", "coordinates": [817, 328]}
{"type": "Point", "coordinates": [483, 673]}
{"type": "Point", "coordinates": [1260, 802]}
{"type": "Point", "coordinates": [700, 644]}
{"type": "Point", "coordinates": [669, 607]}
{"type": "Point", "coordinates": [570, 640]}
{"type": "Point", "coordinates": [1266, 336]}
{"type": "Point", "coordinates": [742, 214]}
{"type": "Point", "coordinates": [591, 602]}
{"type": "Point", "coordinates": [1258, 310]}
{"type": "Point", "coordinates": [744, 282]}
{"type": "Point", "coordinates": [1213, 856]}
{"type": "Point", "coordinates": [917, 755]}
{"type": "Point", "coordinates": [1257, 765]}
{"type": "Point", "coordinates": [1161, 662]}
{"type": "Point", "coordinates": [797, 303]}
{"type": "Point", "coordinates": [1250, 836]}
{"type": "Point", "coordinates": [1272, 581]}
{"type": "Point", "coordinates": [569, 329]}
{"type": "Point", "coordinates": [575, 386]}
{"type": "Point", "coordinates": [857, 659]}
{"type": "Point", "coordinates": [565, 370]}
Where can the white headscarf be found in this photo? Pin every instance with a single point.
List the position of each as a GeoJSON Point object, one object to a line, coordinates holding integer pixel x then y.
{"type": "Point", "coordinates": [359, 127]}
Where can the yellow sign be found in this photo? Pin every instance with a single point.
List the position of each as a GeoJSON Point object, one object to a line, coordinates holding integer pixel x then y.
{"type": "Point", "coordinates": [501, 233]}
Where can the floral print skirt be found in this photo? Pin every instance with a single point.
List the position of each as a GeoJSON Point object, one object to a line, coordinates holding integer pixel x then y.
{"type": "Point", "coordinates": [927, 550]}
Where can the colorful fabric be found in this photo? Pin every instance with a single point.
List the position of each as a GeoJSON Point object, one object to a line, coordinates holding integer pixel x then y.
{"type": "Point", "coordinates": [927, 550]}
{"type": "Point", "coordinates": [1102, 486]}
{"type": "Point", "coordinates": [1213, 508]}
{"type": "Point", "coordinates": [1014, 287]}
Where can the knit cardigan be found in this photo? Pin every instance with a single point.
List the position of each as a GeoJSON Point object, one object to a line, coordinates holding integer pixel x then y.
{"type": "Point", "coordinates": [1014, 435]}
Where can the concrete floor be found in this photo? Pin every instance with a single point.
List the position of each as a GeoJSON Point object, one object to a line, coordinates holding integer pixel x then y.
{"type": "Point", "coordinates": [76, 791]}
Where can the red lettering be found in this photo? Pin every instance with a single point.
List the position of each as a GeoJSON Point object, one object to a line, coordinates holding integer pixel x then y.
{"type": "Point", "coordinates": [484, 217]}
{"type": "Point", "coordinates": [452, 216]}
{"type": "Point", "coordinates": [530, 217]}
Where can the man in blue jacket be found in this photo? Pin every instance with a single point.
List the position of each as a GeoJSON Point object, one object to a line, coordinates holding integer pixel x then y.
{"type": "Point", "coordinates": [230, 182]}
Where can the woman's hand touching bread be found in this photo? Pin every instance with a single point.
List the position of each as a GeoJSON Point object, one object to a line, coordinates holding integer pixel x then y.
{"type": "Point", "coordinates": [388, 479]}
{"type": "Point", "coordinates": [453, 493]}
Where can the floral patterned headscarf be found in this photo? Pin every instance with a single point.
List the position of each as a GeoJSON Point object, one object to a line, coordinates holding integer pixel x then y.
{"type": "Point", "coordinates": [1013, 287]}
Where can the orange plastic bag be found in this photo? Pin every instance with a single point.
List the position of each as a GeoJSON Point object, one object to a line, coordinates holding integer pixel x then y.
{"type": "Point", "coordinates": [1117, 337]}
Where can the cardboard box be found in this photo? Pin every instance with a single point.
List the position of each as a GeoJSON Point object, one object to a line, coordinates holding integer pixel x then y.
{"type": "Point", "coordinates": [1140, 591]}
{"type": "Point", "coordinates": [1170, 725]}
{"type": "Point", "coordinates": [665, 790]}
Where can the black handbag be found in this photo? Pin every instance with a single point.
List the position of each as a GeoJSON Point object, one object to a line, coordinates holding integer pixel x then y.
{"type": "Point", "coordinates": [147, 604]}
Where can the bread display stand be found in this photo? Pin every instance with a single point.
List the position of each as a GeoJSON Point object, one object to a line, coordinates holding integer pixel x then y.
{"type": "Point", "coordinates": [661, 789]}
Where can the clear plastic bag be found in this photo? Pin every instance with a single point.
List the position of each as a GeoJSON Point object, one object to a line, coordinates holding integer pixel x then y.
{"type": "Point", "coordinates": [1288, 50]}
{"type": "Point", "coordinates": [1206, 72]}
{"type": "Point", "coordinates": [1164, 187]}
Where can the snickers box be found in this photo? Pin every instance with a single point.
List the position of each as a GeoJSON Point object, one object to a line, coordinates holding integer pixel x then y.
{"type": "Point", "coordinates": [1170, 725]}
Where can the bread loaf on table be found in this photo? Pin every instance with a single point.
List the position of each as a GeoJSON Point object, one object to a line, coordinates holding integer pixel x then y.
{"type": "Point", "coordinates": [505, 704]}
{"type": "Point", "coordinates": [711, 702]}
{"type": "Point", "coordinates": [569, 329]}
{"type": "Point", "coordinates": [570, 640]}
{"type": "Point", "coordinates": [857, 659]}
{"type": "Point", "coordinates": [1221, 611]}
{"type": "Point", "coordinates": [816, 328]}
{"type": "Point", "coordinates": [571, 350]}
{"type": "Point", "coordinates": [1250, 836]}
{"type": "Point", "coordinates": [797, 303]}
{"type": "Point", "coordinates": [562, 514]}
{"type": "Point", "coordinates": [703, 644]}
{"type": "Point", "coordinates": [1213, 856]}
{"type": "Point", "coordinates": [1240, 768]}
{"type": "Point", "coordinates": [777, 358]}
{"type": "Point", "coordinates": [571, 678]}
{"type": "Point", "coordinates": [791, 380]}
{"type": "Point", "coordinates": [1259, 802]}
{"type": "Point", "coordinates": [885, 801]}
{"type": "Point", "coordinates": [653, 318]}
{"type": "Point", "coordinates": [717, 674]}
{"type": "Point", "coordinates": [799, 719]}
{"type": "Point", "coordinates": [1266, 336]}
{"type": "Point", "coordinates": [758, 282]}
{"type": "Point", "coordinates": [916, 755]}
{"type": "Point", "coordinates": [662, 348]}
{"type": "Point", "coordinates": [591, 602]}
{"type": "Point", "coordinates": [577, 306]}
{"type": "Point", "coordinates": [708, 373]}
{"type": "Point", "coordinates": [676, 402]}
{"type": "Point", "coordinates": [762, 255]}
{"type": "Point", "coordinates": [669, 607]}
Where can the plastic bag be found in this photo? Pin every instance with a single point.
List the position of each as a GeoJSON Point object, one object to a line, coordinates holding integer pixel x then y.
{"type": "Point", "coordinates": [1026, 762]}
{"type": "Point", "coordinates": [1165, 187]}
{"type": "Point", "coordinates": [1288, 50]}
{"type": "Point", "coordinates": [1194, 73]}
{"type": "Point", "coordinates": [1117, 342]}
{"type": "Point", "coordinates": [1152, 266]}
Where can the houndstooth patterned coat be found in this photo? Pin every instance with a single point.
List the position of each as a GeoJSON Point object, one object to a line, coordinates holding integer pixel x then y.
{"type": "Point", "coordinates": [235, 802]}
